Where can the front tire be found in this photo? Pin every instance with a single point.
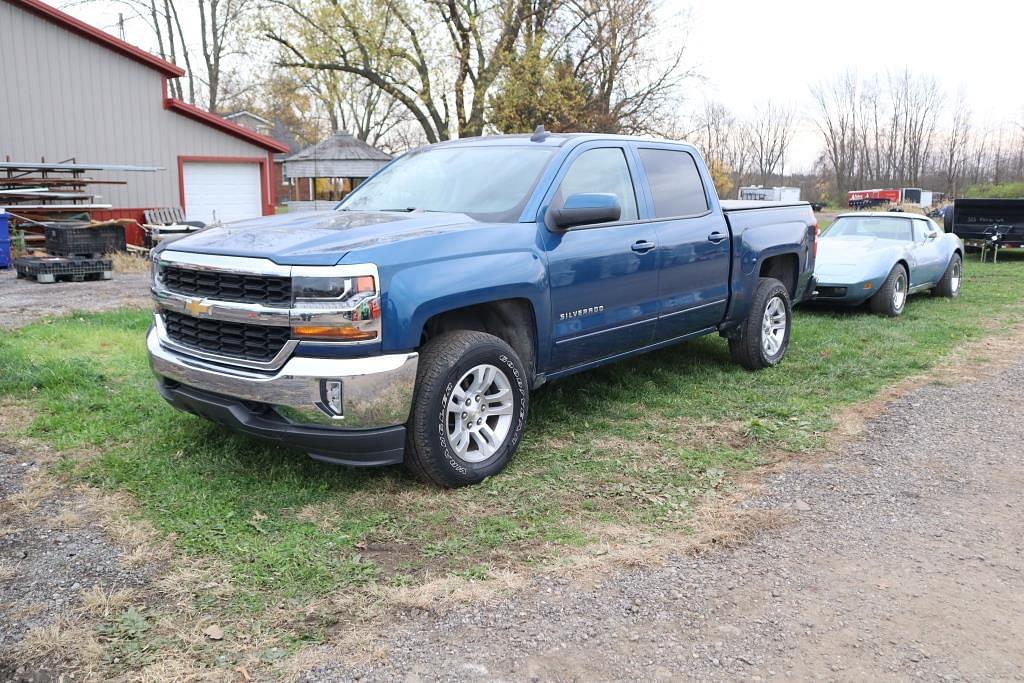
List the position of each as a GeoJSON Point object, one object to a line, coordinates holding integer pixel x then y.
{"type": "Point", "coordinates": [891, 298]}
{"type": "Point", "coordinates": [469, 409]}
{"type": "Point", "coordinates": [764, 335]}
{"type": "Point", "coordinates": [949, 285]}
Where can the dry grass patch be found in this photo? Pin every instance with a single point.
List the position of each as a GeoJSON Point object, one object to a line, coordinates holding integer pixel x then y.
{"type": "Point", "coordinates": [66, 644]}
{"type": "Point", "coordinates": [128, 262]}
{"type": "Point", "coordinates": [443, 594]}
{"type": "Point", "coordinates": [188, 579]}
{"type": "Point", "coordinates": [323, 515]}
{"type": "Point", "coordinates": [101, 604]}
{"type": "Point", "coordinates": [8, 570]}
{"type": "Point", "coordinates": [176, 669]}
{"type": "Point", "coordinates": [67, 518]}
{"type": "Point", "coordinates": [36, 488]}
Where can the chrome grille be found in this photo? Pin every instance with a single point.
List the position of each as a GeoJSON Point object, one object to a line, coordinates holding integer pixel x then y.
{"type": "Point", "coordinates": [268, 290]}
{"type": "Point", "coordinates": [251, 342]}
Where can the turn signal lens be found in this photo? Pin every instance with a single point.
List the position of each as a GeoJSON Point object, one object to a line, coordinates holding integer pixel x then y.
{"type": "Point", "coordinates": [343, 333]}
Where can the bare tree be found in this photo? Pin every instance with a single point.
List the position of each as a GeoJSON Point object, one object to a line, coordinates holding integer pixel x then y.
{"type": "Point", "coordinates": [837, 122]}
{"type": "Point", "coordinates": [219, 24]}
{"type": "Point", "coordinates": [917, 102]}
{"type": "Point", "coordinates": [770, 133]}
{"type": "Point", "coordinates": [955, 146]}
{"type": "Point", "coordinates": [724, 141]}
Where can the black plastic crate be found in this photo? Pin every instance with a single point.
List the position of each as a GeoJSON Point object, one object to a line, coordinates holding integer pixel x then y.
{"type": "Point", "coordinates": [52, 268]}
{"type": "Point", "coordinates": [83, 239]}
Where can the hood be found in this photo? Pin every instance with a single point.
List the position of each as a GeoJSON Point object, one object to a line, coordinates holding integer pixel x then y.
{"type": "Point", "coordinates": [852, 250]}
{"type": "Point", "coordinates": [317, 238]}
{"type": "Point", "coordinates": [854, 258]}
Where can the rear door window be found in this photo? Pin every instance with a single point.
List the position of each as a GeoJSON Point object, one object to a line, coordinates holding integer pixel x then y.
{"type": "Point", "coordinates": [675, 183]}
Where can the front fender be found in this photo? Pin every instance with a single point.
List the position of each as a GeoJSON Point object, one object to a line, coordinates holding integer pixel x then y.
{"type": "Point", "coordinates": [416, 293]}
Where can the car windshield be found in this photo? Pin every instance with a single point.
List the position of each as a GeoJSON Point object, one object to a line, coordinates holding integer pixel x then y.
{"type": "Point", "coordinates": [882, 227]}
{"type": "Point", "coordinates": [486, 183]}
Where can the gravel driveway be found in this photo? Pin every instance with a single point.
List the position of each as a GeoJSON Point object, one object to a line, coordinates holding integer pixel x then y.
{"type": "Point", "coordinates": [904, 561]}
{"type": "Point", "coordinates": [22, 301]}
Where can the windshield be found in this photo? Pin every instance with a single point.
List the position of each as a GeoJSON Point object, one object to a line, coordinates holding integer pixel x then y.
{"type": "Point", "coordinates": [486, 183]}
{"type": "Point", "coordinates": [882, 227]}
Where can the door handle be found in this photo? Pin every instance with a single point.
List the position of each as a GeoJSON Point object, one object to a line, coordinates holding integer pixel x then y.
{"type": "Point", "coordinates": [717, 237]}
{"type": "Point", "coordinates": [642, 246]}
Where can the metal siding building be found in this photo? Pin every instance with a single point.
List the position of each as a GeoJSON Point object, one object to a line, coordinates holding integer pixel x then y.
{"type": "Point", "coordinates": [72, 91]}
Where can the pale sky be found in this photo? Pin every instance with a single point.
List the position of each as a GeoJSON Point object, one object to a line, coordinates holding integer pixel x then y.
{"type": "Point", "coordinates": [751, 50]}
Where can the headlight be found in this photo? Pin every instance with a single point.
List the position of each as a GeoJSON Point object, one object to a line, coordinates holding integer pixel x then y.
{"type": "Point", "coordinates": [330, 305]}
{"type": "Point", "coordinates": [154, 268]}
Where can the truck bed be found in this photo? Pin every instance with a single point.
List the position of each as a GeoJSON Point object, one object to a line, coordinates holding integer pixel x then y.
{"type": "Point", "coordinates": [768, 229]}
{"type": "Point", "coordinates": [731, 205]}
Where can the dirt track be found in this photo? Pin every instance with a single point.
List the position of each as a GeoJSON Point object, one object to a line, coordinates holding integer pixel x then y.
{"type": "Point", "coordinates": [904, 559]}
{"type": "Point", "coordinates": [22, 301]}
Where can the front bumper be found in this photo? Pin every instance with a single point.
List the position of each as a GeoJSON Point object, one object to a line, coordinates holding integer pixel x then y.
{"type": "Point", "coordinates": [834, 290]}
{"type": "Point", "coordinates": [287, 405]}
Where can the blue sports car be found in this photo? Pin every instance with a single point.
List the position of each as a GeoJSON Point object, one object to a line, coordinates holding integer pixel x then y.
{"type": "Point", "coordinates": [885, 257]}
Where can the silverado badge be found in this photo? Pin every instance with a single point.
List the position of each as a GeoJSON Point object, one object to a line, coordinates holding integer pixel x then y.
{"type": "Point", "coordinates": [196, 307]}
{"type": "Point", "coordinates": [590, 310]}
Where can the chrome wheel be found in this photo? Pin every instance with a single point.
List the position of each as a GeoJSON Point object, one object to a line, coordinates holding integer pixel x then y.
{"type": "Point", "coordinates": [954, 279]}
{"type": "Point", "coordinates": [899, 292]}
{"type": "Point", "coordinates": [773, 326]}
{"type": "Point", "coordinates": [479, 413]}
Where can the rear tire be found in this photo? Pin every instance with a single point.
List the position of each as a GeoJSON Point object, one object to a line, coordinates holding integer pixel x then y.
{"type": "Point", "coordinates": [949, 285]}
{"type": "Point", "coordinates": [451, 443]}
{"type": "Point", "coordinates": [764, 335]}
{"type": "Point", "coordinates": [891, 298]}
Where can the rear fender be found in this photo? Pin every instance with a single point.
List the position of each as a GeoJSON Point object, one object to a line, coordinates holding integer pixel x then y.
{"type": "Point", "coordinates": [752, 248]}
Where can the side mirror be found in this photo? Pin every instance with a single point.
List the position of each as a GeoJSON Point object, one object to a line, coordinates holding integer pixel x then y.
{"type": "Point", "coordinates": [932, 235]}
{"type": "Point", "coordinates": [585, 209]}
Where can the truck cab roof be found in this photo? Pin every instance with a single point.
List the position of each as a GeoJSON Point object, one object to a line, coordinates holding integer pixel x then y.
{"type": "Point", "coordinates": [552, 139]}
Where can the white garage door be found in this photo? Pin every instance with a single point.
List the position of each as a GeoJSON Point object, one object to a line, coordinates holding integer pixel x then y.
{"type": "Point", "coordinates": [218, 191]}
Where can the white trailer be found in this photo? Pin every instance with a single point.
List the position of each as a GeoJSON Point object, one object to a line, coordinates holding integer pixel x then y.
{"type": "Point", "coordinates": [760, 193]}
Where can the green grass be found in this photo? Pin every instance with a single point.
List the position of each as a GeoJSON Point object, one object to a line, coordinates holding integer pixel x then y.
{"type": "Point", "coordinates": [630, 445]}
{"type": "Point", "coordinates": [1000, 191]}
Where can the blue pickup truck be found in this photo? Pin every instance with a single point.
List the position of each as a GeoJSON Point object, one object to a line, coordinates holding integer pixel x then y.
{"type": "Point", "coordinates": [411, 323]}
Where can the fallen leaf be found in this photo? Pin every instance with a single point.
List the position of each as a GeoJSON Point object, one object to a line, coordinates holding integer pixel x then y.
{"type": "Point", "coordinates": [214, 632]}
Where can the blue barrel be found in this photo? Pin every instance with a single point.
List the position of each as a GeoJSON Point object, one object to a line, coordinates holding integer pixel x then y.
{"type": "Point", "coordinates": [5, 241]}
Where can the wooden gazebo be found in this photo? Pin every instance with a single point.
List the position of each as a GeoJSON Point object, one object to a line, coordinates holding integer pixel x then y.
{"type": "Point", "coordinates": [321, 174]}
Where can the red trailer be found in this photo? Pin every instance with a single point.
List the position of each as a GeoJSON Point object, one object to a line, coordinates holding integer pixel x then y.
{"type": "Point", "coordinates": [861, 199]}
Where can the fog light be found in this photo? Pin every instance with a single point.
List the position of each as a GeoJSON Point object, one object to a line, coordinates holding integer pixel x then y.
{"type": "Point", "coordinates": [867, 285]}
{"type": "Point", "coordinates": [330, 391]}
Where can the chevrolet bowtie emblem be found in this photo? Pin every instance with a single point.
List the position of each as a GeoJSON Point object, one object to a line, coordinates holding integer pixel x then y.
{"type": "Point", "coordinates": [196, 307]}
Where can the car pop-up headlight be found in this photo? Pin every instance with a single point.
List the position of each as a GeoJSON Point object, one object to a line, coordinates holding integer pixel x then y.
{"type": "Point", "coordinates": [336, 304]}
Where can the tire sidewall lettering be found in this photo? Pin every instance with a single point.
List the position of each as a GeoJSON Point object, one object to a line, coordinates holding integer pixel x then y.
{"type": "Point", "coordinates": [512, 440]}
